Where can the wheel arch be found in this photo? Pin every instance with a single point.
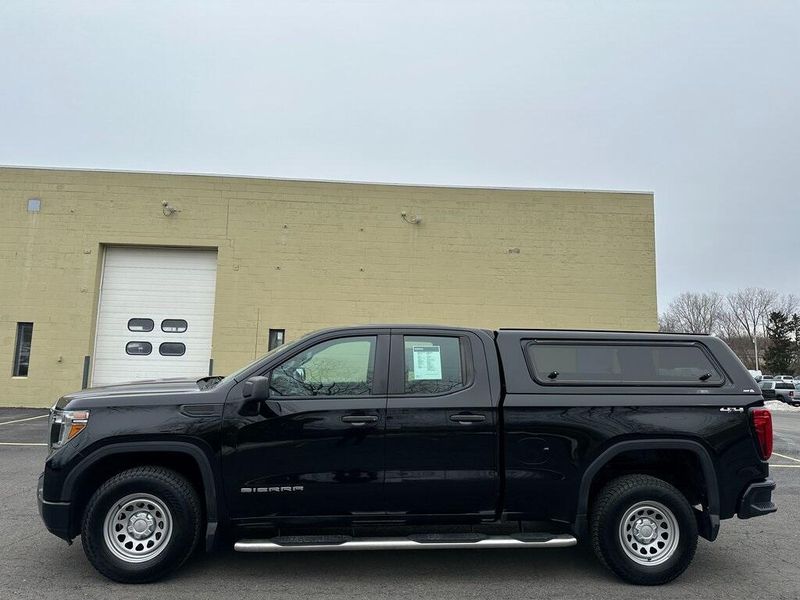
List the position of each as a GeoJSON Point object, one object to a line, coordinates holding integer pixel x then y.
{"type": "Point", "coordinates": [708, 520]}
{"type": "Point", "coordinates": [209, 478]}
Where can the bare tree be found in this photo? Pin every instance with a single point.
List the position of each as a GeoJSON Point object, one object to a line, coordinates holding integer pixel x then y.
{"type": "Point", "coordinates": [693, 312]}
{"type": "Point", "coordinates": [749, 308]}
{"type": "Point", "coordinates": [787, 304]}
{"type": "Point", "coordinates": [739, 318]}
{"type": "Point", "coordinates": [667, 323]}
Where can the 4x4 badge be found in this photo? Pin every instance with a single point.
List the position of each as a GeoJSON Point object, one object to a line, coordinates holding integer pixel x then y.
{"type": "Point", "coordinates": [732, 409]}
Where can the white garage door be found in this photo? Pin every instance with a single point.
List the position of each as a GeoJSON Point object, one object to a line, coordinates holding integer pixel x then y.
{"type": "Point", "coordinates": [155, 315]}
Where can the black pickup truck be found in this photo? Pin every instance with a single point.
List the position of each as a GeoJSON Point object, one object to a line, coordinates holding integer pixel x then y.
{"type": "Point", "coordinates": [401, 436]}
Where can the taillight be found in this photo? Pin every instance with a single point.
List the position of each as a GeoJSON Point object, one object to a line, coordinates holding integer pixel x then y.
{"type": "Point", "coordinates": [762, 423]}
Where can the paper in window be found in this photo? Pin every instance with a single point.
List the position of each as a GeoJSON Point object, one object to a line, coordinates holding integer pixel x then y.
{"type": "Point", "coordinates": [427, 362]}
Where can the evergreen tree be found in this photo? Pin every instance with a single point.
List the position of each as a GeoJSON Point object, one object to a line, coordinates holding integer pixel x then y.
{"type": "Point", "coordinates": [795, 324]}
{"type": "Point", "coordinates": [780, 353]}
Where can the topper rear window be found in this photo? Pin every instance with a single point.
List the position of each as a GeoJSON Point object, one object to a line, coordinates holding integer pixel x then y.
{"type": "Point", "coordinates": [608, 363]}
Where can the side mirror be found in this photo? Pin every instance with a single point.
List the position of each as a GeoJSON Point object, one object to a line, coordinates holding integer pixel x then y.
{"type": "Point", "coordinates": [256, 388]}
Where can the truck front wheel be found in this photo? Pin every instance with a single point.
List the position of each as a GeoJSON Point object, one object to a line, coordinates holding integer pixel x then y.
{"type": "Point", "coordinates": [643, 529]}
{"type": "Point", "coordinates": [141, 524]}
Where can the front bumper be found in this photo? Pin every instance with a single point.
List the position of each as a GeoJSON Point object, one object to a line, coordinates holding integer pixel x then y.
{"type": "Point", "coordinates": [757, 500]}
{"type": "Point", "coordinates": [56, 515]}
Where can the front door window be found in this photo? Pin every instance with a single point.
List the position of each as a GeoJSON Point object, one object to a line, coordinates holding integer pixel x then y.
{"type": "Point", "coordinates": [342, 367]}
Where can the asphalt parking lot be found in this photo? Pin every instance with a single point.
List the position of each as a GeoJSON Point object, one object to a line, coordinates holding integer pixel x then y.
{"type": "Point", "coordinates": [758, 558]}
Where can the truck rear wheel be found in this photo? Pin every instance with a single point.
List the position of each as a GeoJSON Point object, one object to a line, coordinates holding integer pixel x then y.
{"type": "Point", "coordinates": [141, 524]}
{"type": "Point", "coordinates": [643, 529]}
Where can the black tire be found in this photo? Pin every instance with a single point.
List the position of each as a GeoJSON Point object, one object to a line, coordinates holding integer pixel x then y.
{"type": "Point", "coordinates": [613, 504]}
{"type": "Point", "coordinates": [183, 513]}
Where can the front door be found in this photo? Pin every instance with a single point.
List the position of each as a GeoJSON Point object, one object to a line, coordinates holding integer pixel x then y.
{"type": "Point", "coordinates": [441, 430]}
{"type": "Point", "coordinates": [315, 446]}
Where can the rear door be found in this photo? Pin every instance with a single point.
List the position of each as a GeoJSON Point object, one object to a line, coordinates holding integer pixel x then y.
{"type": "Point", "coordinates": [441, 426]}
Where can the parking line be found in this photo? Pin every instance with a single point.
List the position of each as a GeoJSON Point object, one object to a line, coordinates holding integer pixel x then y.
{"type": "Point", "coordinates": [789, 457]}
{"type": "Point", "coordinates": [784, 466]}
{"type": "Point", "coordinates": [26, 419]}
{"type": "Point", "coordinates": [44, 444]}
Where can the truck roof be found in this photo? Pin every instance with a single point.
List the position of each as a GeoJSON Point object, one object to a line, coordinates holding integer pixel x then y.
{"type": "Point", "coordinates": [550, 332]}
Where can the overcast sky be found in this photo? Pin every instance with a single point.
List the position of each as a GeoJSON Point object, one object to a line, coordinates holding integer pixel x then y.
{"type": "Point", "coordinates": [696, 101]}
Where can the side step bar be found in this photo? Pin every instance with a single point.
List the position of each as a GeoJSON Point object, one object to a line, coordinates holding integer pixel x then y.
{"type": "Point", "coordinates": [414, 542]}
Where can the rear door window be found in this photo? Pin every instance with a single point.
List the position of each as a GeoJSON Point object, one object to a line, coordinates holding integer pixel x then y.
{"type": "Point", "coordinates": [620, 364]}
{"type": "Point", "coordinates": [433, 364]}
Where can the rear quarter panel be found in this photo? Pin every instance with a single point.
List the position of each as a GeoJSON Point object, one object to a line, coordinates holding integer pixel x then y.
{"type": "Point", "coordinates": [548, 448]}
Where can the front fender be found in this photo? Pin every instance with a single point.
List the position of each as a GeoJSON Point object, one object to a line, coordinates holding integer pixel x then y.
{"type": "Point", "coordinates": [212, 484]}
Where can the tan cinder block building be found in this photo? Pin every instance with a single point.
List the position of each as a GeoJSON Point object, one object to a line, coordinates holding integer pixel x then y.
{"type": "Point", "coordinates": [94, 265]}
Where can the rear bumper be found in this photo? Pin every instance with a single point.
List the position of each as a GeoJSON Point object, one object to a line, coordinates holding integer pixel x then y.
{"type": "Point", "coordinates": [757, 500]}
{"type": "Point", "coordinates": [56, 515]}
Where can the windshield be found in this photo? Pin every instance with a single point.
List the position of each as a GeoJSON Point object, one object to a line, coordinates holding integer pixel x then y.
{"type": "Point", "coordinates": [274, 352]}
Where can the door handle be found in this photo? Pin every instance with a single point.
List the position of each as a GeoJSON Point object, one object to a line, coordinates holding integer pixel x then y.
{"type": "Point", "coordinates": [465, 419]}
{"type": "Point", "coordinates": [359, 420]}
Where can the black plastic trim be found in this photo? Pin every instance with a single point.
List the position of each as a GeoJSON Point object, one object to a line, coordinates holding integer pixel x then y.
{"type": "Point", "coordinates": [55, 515]}
{"type": "Point", "coordinates": [757, 500]}
{"type": "Point", "coordinates": [201, 410]}
{"type": "Point", "coordinates": [210, 480]}
{"type": "Point", "coordinates": [710, 527]}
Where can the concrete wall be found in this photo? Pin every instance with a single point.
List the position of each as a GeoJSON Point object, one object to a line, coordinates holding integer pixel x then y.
{"type": "Point", "coordinates": [301, 255]}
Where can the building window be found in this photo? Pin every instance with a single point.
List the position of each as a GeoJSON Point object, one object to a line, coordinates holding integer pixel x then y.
{"type": "Point", "coordinates": [140, 325]}
{"type": "Point", "coordinates": [174, 325]}
{"type": "Point", "coordinates": [276, 338]}
{"type": "Point", "coordinates": [138, 348]}
{"type": "Point", "coordinates": [172, 349]}
{"type": "Point", "coordinates": [22, 349]}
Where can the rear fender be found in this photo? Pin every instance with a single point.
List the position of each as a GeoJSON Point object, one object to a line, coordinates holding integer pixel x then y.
{"type": "Point", "coordinates": [708, 520]}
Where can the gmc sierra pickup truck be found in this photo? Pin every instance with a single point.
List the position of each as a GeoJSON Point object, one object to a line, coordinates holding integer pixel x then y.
{"type": "Point", "coordinates": [423, 437]}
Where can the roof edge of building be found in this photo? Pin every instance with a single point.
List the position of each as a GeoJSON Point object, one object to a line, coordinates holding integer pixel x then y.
{"type": "Point", "coordinates": [333, 181]}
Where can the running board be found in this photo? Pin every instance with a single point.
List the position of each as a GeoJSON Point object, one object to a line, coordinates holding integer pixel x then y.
{"type": "Point", "coordinates": [414, 542]}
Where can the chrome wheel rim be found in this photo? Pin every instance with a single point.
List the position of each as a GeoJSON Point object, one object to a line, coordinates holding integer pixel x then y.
{"type": "Point", "coordinates": [649, 533]}
{"type": "Point", "coordinates": [137, 527]}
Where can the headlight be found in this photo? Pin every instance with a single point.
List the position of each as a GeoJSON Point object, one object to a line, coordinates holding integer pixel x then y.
{"type": "Point", "coordinates": [65, 425]}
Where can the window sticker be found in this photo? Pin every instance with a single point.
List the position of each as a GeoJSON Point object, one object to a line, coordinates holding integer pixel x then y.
{"type": "Point", "coordinates": [427, 362]}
